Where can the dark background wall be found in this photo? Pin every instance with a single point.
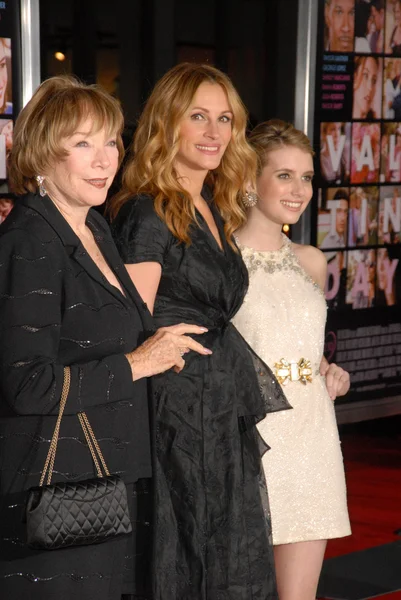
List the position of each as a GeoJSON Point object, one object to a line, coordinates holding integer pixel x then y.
{"type": "Point", "coordinates": [126, 45]}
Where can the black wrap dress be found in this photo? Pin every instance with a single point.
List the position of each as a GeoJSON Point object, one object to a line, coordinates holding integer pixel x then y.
{"type": "Point", "coordinates": [212, 525]}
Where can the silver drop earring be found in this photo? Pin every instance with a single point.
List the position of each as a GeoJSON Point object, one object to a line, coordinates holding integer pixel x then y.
{"type": "Point", "coordinates": [40, 182]}
{"type": "Point", "coordinates": [250, 199]}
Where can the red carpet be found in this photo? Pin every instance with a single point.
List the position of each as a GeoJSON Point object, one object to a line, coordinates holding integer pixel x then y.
{"type": "Point", "coordinates": [372, 454]}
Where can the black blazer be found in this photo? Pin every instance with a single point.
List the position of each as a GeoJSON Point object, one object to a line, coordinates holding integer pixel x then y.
{"type": "Point", "coordinates": [56, 309]}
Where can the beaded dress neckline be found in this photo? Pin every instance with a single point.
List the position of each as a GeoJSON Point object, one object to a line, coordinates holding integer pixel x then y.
{"type": "Point", "coordinates": [285, 247]}
{"type": "Point", "coordinates": [283, 259]}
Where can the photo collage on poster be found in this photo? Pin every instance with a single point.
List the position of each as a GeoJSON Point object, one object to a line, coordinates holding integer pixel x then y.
{"type": "Point", "coordinates": [359, 180]}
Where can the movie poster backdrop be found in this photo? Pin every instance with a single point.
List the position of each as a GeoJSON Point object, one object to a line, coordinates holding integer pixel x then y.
{"type": "Point", "coordinates": [10, 93]}
{"type": "Point", "coordinates": [357, 220]}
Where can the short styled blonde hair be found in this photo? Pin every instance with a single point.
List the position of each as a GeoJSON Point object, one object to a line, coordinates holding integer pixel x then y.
{"type": "Point", "coordinates": [54, 113]}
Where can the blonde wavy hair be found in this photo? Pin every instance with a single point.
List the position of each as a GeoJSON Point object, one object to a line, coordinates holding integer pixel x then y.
{"type": "Point", "coordinates": [151, 170]}
{"type": "Point", "coordinates": [56, 110]}
{"type": "Point", "coordinates": [274, 135]}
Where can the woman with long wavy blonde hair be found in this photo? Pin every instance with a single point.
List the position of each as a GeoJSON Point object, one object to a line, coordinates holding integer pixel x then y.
{"type": "Point", "coordinates": [182, 199]}
{"type": "Point", "coordinates": [152, 167]}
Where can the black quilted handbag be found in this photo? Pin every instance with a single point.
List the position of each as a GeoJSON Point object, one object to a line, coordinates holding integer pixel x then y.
{"type": "Point", "coordinates": [65, 514]}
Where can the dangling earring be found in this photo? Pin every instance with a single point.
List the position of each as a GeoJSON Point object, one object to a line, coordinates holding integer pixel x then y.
{"type": "Point", "coordinates": [39, 181]}
{"type": "Point", "coordinates": [250, 199]}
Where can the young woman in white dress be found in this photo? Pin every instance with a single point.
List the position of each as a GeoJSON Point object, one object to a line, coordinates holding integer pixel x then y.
{"type": "Point", "coordinates": [283, 319]}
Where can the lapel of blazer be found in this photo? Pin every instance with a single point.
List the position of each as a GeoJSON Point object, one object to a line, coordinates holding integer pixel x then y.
{"type": "Point", "coordinates": [74, 247]}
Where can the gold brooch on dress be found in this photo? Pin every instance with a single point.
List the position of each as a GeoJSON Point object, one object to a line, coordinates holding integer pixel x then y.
{"type": "Point", "coordinates": [291, 370]}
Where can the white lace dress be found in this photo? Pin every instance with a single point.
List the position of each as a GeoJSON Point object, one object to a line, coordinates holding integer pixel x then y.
{"type": "Point", "coordinates": [283, 317]}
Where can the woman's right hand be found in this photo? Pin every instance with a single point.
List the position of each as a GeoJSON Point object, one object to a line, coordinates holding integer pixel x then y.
{"type": "Point", "coordinates": [165, 350]}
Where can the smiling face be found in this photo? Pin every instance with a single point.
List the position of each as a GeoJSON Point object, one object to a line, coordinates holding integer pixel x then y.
{"type": "Point", "coordinates": [205, 131]}
{"type": "Point", "coordinates": [340, 20]}
{"type": "Point", "coordinates": [84, 176]}
{"type": "Point", "coordinates": [285, 185]}
{"type": "Point", "coordinates": [365, 87]}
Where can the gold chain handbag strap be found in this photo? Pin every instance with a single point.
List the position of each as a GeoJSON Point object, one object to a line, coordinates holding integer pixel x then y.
{"type": "Point", "coordinates": [86, 428]}
{"type": "Point", "coordinates": [93, 444]}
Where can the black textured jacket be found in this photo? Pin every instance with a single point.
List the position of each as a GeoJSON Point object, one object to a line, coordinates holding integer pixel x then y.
{"type": "Point", "coordinates": [56, 309]}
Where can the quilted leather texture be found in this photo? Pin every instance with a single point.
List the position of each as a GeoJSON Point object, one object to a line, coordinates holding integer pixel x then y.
{"type": "Point", "coordinates": [75, 514]}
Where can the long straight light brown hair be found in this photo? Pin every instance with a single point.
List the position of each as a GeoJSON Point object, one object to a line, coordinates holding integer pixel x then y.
{"type": "Point", "coordinates": [150, 168]}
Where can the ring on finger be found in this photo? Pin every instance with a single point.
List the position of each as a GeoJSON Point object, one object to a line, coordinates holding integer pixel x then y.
{"type": "Point", "coordinates": [183, 351]}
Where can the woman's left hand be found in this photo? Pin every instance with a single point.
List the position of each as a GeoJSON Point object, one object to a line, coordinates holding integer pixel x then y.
{"type": "Point", "coordinates": [337, 379]}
